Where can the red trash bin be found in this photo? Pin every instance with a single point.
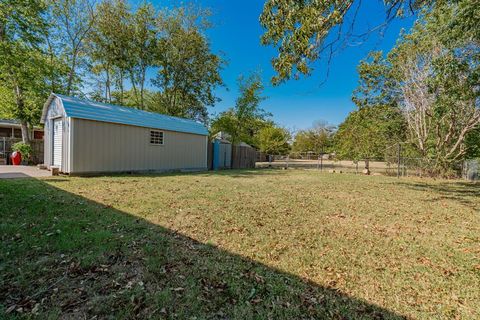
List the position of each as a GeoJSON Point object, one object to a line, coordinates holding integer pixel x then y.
{"type": "Point", "coordinates": [16, 158]}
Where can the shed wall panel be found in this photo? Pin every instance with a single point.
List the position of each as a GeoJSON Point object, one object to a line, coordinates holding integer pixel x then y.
{"type": "Point", "coordinates": [109, 147]}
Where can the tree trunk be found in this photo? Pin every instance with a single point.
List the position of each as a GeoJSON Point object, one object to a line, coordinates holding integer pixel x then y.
{"type": "Point", "coordinates": [71, 73]}
{"type": "Point", "coordinates": [25, 132]}
{"type": "Point", "coordinates": [21, 109]}
{"type": "Point", "coordinates": [107, 87]}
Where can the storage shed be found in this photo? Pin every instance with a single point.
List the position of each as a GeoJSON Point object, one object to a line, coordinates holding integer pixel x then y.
{"type": "Point", "coordinates": [84, 137]}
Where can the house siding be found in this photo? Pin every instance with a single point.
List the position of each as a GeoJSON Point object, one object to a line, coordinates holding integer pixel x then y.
{"type": "Point", "coordinates": [110, 147]}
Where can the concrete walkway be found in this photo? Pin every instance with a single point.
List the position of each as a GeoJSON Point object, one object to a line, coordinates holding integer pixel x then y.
{"type": "Point", "coordinates": [13, 172]}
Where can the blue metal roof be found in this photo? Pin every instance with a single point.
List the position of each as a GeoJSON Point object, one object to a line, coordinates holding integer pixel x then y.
{"type": "Point", "coordinates": [90, 110]}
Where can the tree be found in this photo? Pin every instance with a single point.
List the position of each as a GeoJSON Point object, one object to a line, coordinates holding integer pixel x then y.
{"type": "Point", "coordinates": [437, 87]}
{"type": "Point", "coordinates": [109, 47]}
{"type": "Point", "coordinates": [142, 53]}
{"type": "Point", "coordinates": [472, 143]}
{"type": "Point", "coordinates": [317, 139]}
{"type": "Point", "coordinates": [273, 140]}
{"type": "Point", "coordinates": [367, 132]}
{"type": "Point", "coordinates": [75, 19]}
{"type": "Point", "coordinates": [188, 72]}
{"type": "Point", "coordinates": [27, 72]}
{"type": "Point", "coordinates": [300, 29]}
{"type": "Point", "coordinates": [244, 120]}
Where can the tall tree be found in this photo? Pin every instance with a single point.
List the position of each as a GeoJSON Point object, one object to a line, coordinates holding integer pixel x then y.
{"type": "Point", "coordinates": [188, 71]}
{"type": "Point", "coordinates": [318, 139]}
{"type": "Point", "coordinates": [109, 46]}
{"type": "Point", "coordinates": [273, 140]}
{"type": "Point", "coordinates": [437, 75]}
{"type": "Point", "coordinates": [25, 67]}
{"type": "Point", "coordinates": [367, 132]}
{"type": "Point", "coordinates": [431, 76]}
{"type": "Point", "coordinates": [300, 29]}
{"type": "Point", "coordinates": [74, 22]}
{"type": "Point", "coordinates": [243, 121]}
{"type": "Point", "coordinates": [141, 55]}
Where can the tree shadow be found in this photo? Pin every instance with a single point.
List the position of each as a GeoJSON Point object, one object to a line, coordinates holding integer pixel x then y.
{"type": "Point", "coordinates": [65, 256]}
{"type": "Point", "coordinates": [458, 191]}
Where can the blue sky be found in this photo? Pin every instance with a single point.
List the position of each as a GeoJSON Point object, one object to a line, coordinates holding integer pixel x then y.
{"type": "Point", "coordinates": [297, 103]}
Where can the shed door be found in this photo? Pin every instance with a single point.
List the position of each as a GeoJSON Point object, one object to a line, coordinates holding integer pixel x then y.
{"type": "Point", "coordinates": [57, 142]}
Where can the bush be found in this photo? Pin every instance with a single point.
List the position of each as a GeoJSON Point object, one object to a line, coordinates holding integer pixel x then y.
{"type": "Point", "coordinates": [23, 148]}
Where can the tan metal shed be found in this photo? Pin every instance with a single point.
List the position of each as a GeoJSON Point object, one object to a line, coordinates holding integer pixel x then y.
{"type": "Point", "coordinates": [85, 137]}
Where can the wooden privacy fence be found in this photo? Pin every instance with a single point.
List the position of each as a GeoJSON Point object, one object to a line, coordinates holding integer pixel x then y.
{"type": "Point", "coordinates": [243, 157]}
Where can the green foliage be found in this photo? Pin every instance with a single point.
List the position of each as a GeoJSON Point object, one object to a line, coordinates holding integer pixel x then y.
{"type": "Point", "coordinates": [273, 140]}
{"type": "Point", "coordinates": [299, 29]}
{"type": "Point", "coordinates": [430, 78]}
{"type": "Point", "coordinates": [74, 20]}
{"type": "Point", "coordinates": [472, 143]}
{"type": "Point", "coordinates": [437, 71]}
{"type": "Point", "coordinates": [111, 49]}
{"type": "Point", "coordinates": [317, 139]}
{"type": "Point", "coordinates": [188, 72]}
{"type": "Point", "coordinates": [243, 121]}
{"type": "Point", "coordinates": [28, 69]}
{"type": "Point", "coordinates": [125, 44]}
{"type": "Point", "coordinates": [24, 148]}
{"type": "Point", "coordinates": [367, 132]}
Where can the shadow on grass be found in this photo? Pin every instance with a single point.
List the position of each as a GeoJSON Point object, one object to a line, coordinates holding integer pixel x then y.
{"type": "Point", "coordinates": [461, 192]}
{"type": "Point", "coordinates": [65, 256]}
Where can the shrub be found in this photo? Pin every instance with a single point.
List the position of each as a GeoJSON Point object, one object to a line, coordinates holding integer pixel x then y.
{"type": "Point", "coordinates": [23, 148]}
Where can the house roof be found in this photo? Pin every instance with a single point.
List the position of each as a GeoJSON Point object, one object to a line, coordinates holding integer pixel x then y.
{"type": "Point", "coordinates": [90, 110]}
{"type": "Point", "coordinates": [14, 123]}
{"type": "Point", "coordinates": [10, 122]}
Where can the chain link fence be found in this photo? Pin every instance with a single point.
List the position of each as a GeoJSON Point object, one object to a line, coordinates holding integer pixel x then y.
{"type": "Point", "coordinates": [393, 164]}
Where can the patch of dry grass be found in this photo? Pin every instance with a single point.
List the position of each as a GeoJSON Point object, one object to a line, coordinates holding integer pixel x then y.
{"type": "Point", "coordinates": [241, 244]}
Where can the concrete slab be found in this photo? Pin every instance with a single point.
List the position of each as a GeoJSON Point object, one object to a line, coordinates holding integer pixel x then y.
{"type": "Point", "coordinates": [15, 172]}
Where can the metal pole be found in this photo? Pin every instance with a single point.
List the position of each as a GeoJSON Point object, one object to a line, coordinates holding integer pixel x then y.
{"type": "Point", "coordinates": [288, 158]}
{"type": "Point", "coordinates": [321, 162]}
{"type": "Point", "coordinates": [318, 162]}
{"type": "Point", "coordinates": [399, 159]}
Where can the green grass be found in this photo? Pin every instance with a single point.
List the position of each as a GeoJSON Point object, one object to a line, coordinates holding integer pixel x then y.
{"type": "Point", "coordinates": [240, 245]}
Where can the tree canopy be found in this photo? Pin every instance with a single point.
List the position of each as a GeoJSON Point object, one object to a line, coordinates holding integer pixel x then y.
{"type": "Point", "coordinates": [246, 118]}
{"type": "Point", "coordinates": [152, 59]}
{"type": "Point", "coordinates": [429, 80]}
{"type": "Point", "coordinates": [273, 140]}
{"type": "Point", "coordinates": [305, 30]}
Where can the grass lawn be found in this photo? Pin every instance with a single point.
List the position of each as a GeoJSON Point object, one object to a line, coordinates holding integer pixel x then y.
{"type": "Point", "coordinates": [264, 244]}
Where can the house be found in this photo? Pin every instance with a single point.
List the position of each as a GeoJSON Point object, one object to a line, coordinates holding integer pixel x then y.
{"type": "Point", "coordinates": [84, 137]}
{"type": "Point", "coordinates": [10, 128]}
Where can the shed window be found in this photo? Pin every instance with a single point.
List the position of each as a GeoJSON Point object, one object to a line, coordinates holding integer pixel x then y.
{"type": "Point", "coordinates": [156, 137]}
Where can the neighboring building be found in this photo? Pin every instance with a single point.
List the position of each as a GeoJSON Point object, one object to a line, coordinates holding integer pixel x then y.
{"type": "Point", "coordinates": [228, 156]}
{"type": "Point", "coordinates": [12, 129]}
{"type": "Point", "coordinates": [84, 137]}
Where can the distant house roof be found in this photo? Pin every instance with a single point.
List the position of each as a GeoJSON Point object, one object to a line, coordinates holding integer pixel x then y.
{"type": "Point", "coordinates": [9, 122]}
{"type": "Point", "coordinates": [14, 123]}
{"type": "Point", "coordinates": [90, 110]}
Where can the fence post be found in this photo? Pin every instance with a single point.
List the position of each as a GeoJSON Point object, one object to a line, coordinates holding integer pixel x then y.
{"type": "Point", "coordinates": [399, 159]}
{"type": "Point", "coordinates": [288, 158]}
